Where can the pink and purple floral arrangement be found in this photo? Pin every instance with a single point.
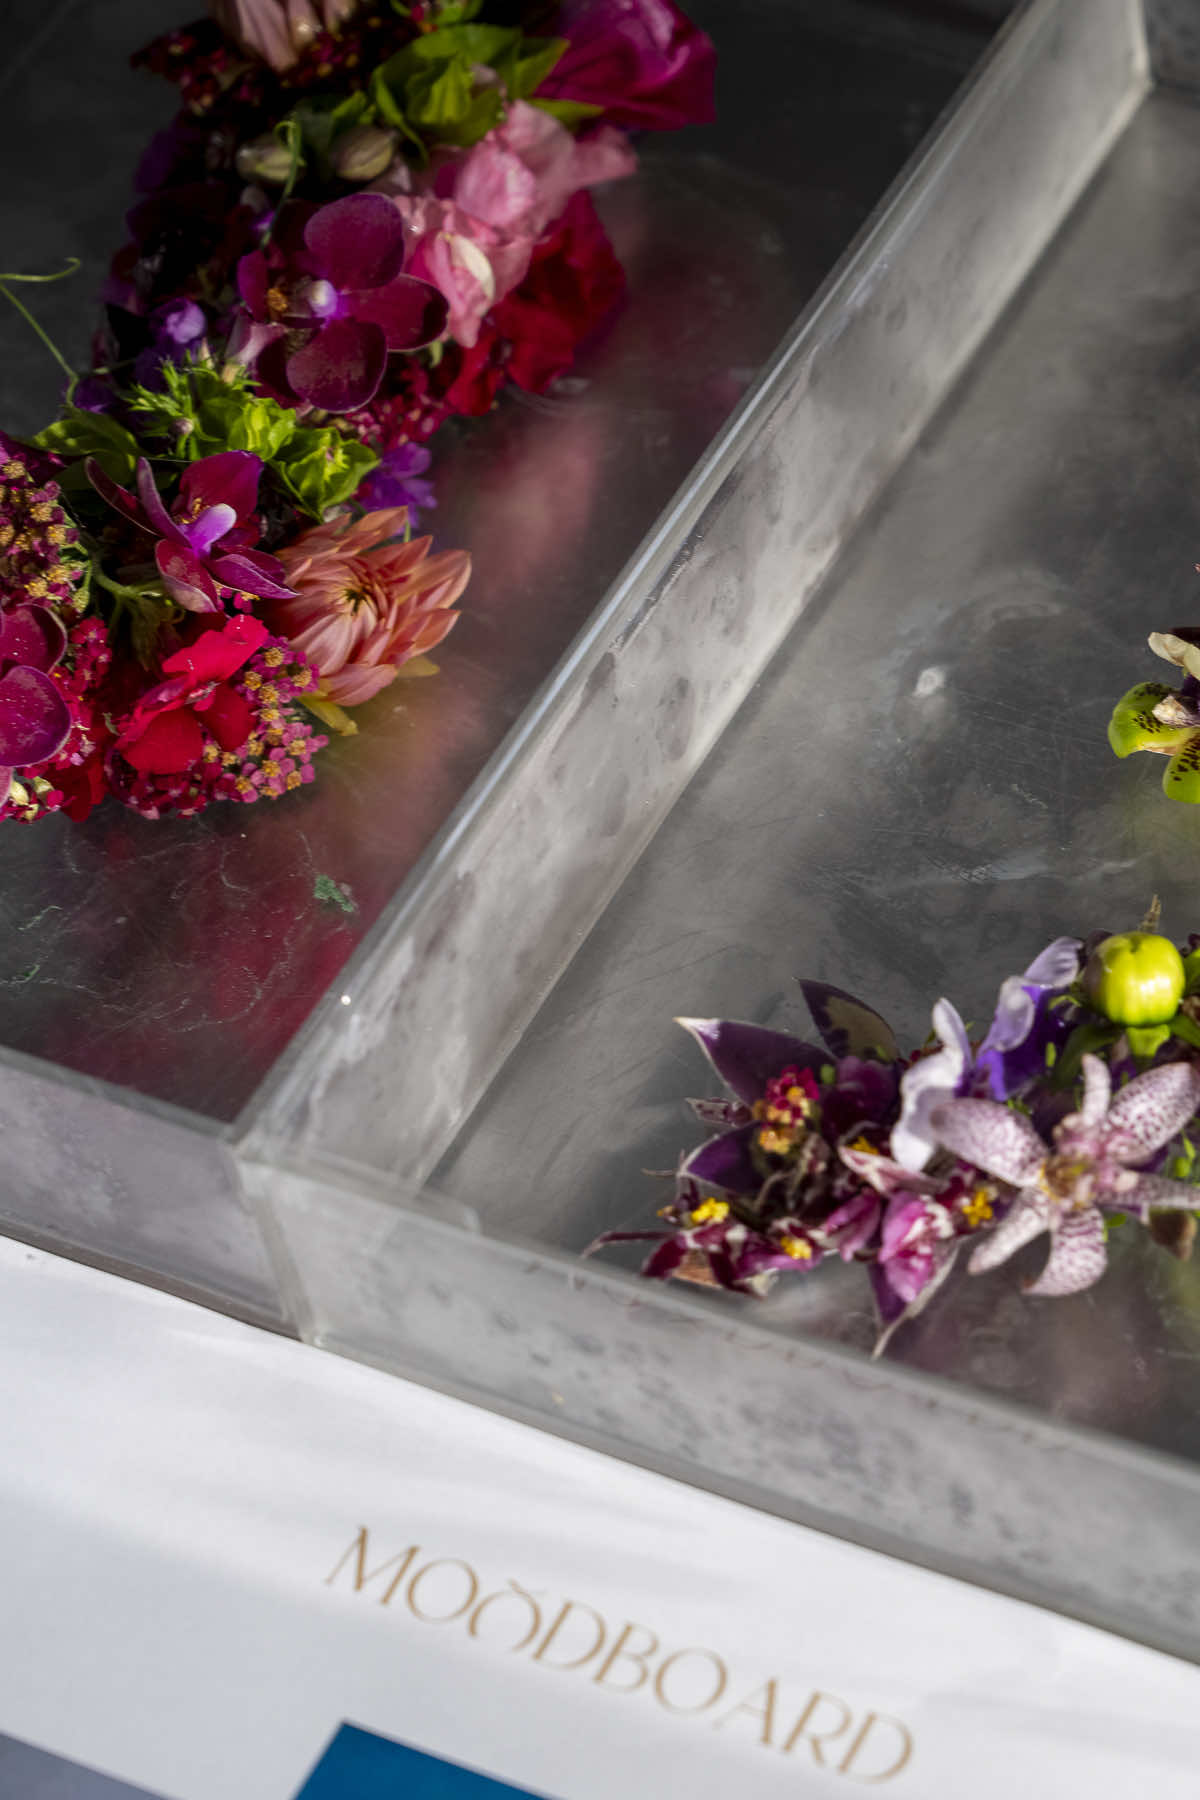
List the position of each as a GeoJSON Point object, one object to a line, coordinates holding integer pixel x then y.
{"type": "Point", "coordinates": [368, 217]}
{"type": "Point", "coordinates": [1077, 1111]}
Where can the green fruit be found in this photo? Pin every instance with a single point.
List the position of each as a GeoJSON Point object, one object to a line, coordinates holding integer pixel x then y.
{"type": "Point", "coordinates": [1135, 978]}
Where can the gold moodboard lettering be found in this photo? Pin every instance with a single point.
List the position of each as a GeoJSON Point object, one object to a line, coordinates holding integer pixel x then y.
{"type": "Point", "coordinates": [570, 1635]}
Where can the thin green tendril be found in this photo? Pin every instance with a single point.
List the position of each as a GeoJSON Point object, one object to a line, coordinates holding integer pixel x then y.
{"type": "Point", "coordinates": [72, 265]}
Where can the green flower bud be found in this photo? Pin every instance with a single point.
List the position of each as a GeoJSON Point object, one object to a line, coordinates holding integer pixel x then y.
{"type": "Point", "coordinates": [363, 152]}
{"type": "Point", "coordinates": [1136, 978]}
{"type": "Point", "coordinates": [264, 159]}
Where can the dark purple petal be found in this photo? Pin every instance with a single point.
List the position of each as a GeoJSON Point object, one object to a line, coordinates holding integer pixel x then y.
{"type": "Point", "coordinates": [35, 720]}
{"type": "Point", "coordinates": [663, 1262]}
{"type": "Point", "coordinates": [228, 479]}
{"type": "Point", "coordinates": [746, 1057]}
{"type": "Point", "coordinates": [341, 367]}
{"type": "Point", "coordinates": [254, 284]}
{"type": "Point", "coordinates": [185, 578]}
{"type": "Point", "coordinates": [32, 636]}
{"type": "Point", "coordinates": [157, 516]}
{"type": "Point", "coordinates": [726, 1162]}
{"type": "Point", "coordinates": [358, 241]}
{"type": "Point", "coordinates": [117, 497]}
{"type": "Point", "coordinates": [253, 572]}
{"type": "Point", "coordinates": [846, 1025]}
{"type": "Point", "coordinates": [408, 312]}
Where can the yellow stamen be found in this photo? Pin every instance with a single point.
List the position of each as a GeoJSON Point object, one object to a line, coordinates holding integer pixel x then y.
{"type": "Point", "coordinates": [796, 1248]}
{"type": "Point", "coordinates": [711, 1212]}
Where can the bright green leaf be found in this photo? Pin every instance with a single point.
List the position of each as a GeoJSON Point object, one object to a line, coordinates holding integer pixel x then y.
{"type": "Point", "coordinates": [80, 434]}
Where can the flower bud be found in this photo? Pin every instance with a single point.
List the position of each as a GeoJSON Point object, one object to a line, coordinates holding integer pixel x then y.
{"type": "Point", "coordinates": [363, 152]}
{"type": "Point", "coordinates": [264, 159]}
{"type": "Point", "coordinates": [1135, 978]}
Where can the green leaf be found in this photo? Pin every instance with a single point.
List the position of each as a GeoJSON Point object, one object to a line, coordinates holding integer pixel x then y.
{"type": "Point", "coordinates": [1191, 971]}
{"type": "Point", "coordinates": [1083, 1039]}
{"type": "Point", "coordinates": [1133, 725]}
{"type": "Point", "coordinates": [1185, 1029]}
{"type": "Point", "coordinates": [569, 112]}
{"type": "Point", "coordinates": [1146, 1040]}
{"type": "Point", "coordinates": [79, 434]}
{"type": "Point", "coordinates": [322, 468]}
{"type": "Point", "coordinates": [1182, 778]}
{"type": "Point", "coordinates": [524, 68]}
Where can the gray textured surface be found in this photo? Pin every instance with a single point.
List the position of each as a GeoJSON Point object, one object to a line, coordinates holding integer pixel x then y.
{"type": "Point", "coordinates": [387, 1068]}
{"type": "Point", "coordinates": [1173, 30]}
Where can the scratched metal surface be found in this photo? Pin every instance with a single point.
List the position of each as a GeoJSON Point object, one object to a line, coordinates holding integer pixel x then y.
{"type": "Point", "coordinates": [920, 795]}
{"type": "Point", "coordinates": [179, 959]}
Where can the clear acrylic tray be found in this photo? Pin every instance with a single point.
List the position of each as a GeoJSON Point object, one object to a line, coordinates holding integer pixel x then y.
{"type": "Point", "coordinates": [875, 635]}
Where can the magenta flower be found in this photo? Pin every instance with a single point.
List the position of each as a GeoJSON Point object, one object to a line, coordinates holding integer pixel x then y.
{"type": "Point", "coordinates": [1092, 1166]}
{"type": "Point", "coordinates": [206, 539]}
{"type": "Point", "coordinates": [35, 720]}
{"type": "Point", "coordinates": [323, 316]}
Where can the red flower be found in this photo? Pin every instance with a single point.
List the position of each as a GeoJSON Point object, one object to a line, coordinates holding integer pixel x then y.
{"type": "Point", "coordinates": [641, 63]}
{"type": "Point", "coordinates": [163, 733]}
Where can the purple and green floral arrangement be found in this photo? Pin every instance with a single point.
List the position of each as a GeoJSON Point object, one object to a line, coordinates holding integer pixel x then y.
{"type": "Point", "coordinates": [1075, 1113]}
{"type": "Point", "coordinates": [368, 218]}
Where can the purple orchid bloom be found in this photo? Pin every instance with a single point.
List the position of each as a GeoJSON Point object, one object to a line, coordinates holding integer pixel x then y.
{"type": "Point", "coordinates": [396, 481]}
{"type": "Point", "coordinates": [1026, 1024]}
{"type": "Point", "coordinates": [179, 326]}
{"type": "Point", "coordinates": [208, 535]}
{"type": "Point", "coordinates": [321, 327]}
{"type": "Point", "coordinates": [919, 1236]}
{"type": "Point", "coordinates": [1092, 1165]}
{"type": "Point", "coordinates": [35, 720]}
{"type": "Point", "coordinates": [747, 1058]}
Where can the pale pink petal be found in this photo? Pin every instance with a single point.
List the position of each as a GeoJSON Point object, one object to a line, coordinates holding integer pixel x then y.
{"type": "Point", "coordinates": [1077, 1255]}
{"type": "Point", "coordinates": [987, 1134]}
{"type": "Point", "coordinates": [1158, 1190]}
{"type": "Point", "coordinates": [1027, 1218]}
{"type": "Point", "coordinates": [1097, 1091]}
{"type": "Point", "coordinates": [356, 685]}
{"type": "Point", "coordinates": [495, 185]}
{"type": "Point", "coordinates": [1150, 1111]}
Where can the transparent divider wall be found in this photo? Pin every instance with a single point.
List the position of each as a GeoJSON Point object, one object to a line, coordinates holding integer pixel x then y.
{"type": "Point", "coordinates": [172, 973]}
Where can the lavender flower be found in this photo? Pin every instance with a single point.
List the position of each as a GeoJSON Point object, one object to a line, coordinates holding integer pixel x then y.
{"type": "Point", "coordinates": [1092, 1165]}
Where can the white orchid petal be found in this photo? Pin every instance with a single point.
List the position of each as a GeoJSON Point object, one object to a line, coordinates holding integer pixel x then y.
{"type": "Point", "coordinates": [1028, 1217]}
{"type": "Point", "coordinates": [1159, 1190]}
{"type": "Point", "coordinates": [1150, 1111]}
{"type": "Point", "coordinates": [1097, 1091]}
{"type": "Point", "coordinates": [987, 1134]}
{"type": "Point", "coordinates": [1077, 1255]}
{"type": "Point", "coordinates": [929, 1084]}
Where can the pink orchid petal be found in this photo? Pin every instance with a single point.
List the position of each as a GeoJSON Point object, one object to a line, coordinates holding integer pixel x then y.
{"type": "Point", "coordinates": [253, 572]}
{"type": "Point", "coordinates": [359, 241]}
{"type": "Point", "coordinates": [987, 1134]}
{"type": "Point", "coordinates": [341, 368]}
{"type": "Point", "coordinates": [208, 528]}
{"type": "Point", "coordinates": [1077, 1255]}
{"type": "Point", "coordinates": [116, 496]}
{"type": "Point", "coordinates": [1028, 1217]}
{"type": "Point", "coordinates": [409, 312]}
{"type": "Point", "coordinates": [158, 517]}
{"type": "Point", "coordinates": [254, 284]}
{"type": "Point", "coordinates": [228, 479]}
{"type": "Point", "coordinates": [33, 636]}
{"type": "Point", "coordinates": [185, 578]}
{"type": "Point", "coordinates": [35, 720]}
{"type": "Point", "coordinates": [1148, 1113]}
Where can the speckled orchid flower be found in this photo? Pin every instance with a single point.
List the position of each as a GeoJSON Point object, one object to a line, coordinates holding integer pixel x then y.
{"type": "Point", "coordinates": [1091, 1166]}
{"type": "Point", "coordinates": [206, 539]}
{"type": "Point", "coordinates": [321, 316]}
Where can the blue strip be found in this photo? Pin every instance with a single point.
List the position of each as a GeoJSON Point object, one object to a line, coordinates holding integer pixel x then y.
{"type": "Point", "coordinates": [360, 1766]}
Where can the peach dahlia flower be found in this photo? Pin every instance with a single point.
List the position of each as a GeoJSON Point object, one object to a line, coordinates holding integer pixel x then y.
{"type": "Point", "coordinates": [363, 606]}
